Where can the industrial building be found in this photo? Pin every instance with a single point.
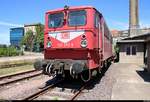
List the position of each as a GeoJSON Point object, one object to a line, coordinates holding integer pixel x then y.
{"type": "Point", "coordinates": [31, 27]}
{"type": "Point", "coordinates": [135, 46]}
{"type": "Point", "coordinates": [136, 50]}
{"type": "Point", "coordinates": [16, 34]}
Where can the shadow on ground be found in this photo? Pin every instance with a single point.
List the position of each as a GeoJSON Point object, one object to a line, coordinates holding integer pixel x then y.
{"type": "Point", "coordinates": [144, 74]}
{"type": "Point", "coordinates": [75, 85]}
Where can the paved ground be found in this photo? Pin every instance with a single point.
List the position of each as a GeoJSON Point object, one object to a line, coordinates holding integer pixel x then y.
{"type": "Point", "coordinates": [132, 83]}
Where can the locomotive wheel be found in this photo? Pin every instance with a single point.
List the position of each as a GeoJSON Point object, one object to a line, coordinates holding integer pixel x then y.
{"type": "Point", "coordinates": [62, 75]}
{"type": "Point", "coordinates": [38, 64]}
{"type": "Point", "coordinates": [105, 64]}
{"type": "Point", "coordinates": [86, 75]}
{"type": "Point", "coordinates": [99, 70]}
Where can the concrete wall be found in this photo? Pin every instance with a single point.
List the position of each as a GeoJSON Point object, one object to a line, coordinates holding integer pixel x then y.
{"type": "Point", "coordinates": [148, 56]}
{"type": "Point", "coordinates": [137, 59]}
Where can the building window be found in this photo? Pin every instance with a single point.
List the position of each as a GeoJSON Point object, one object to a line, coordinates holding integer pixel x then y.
{"type": "Point", "coordinates": [131, 50]}
{"type": "Point", "coordinates": [128, 50]}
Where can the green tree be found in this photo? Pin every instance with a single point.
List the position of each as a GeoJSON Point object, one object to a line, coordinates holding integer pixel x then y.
{"type": "Point", "coordinates": [39, 37]}
{"type": "Point", "coordinates": [116, 48]}
{"type": "Point", "coordinates": [28, 40]}
{"type": "Point", "coordinates": [34, 42]}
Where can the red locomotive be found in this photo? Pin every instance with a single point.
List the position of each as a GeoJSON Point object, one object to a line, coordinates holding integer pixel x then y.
{"type": "Point", "coordinates": [77, 42]}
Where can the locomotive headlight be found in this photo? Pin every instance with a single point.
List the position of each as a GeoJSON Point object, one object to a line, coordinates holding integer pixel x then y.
{"type": "Point", "coordinates": [49, 44]}
{"type": "Point", "coordinates": [84, 43]}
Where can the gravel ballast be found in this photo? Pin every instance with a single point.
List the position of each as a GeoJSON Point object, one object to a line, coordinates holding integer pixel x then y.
{"type": "Point", "coordinates": [22, 90]}
{"type": "Point", "coordinates": [100, 90]}
{"type": "Point", "coordinates": [103, 89]}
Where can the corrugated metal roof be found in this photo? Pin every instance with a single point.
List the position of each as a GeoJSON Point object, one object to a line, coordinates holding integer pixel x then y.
{"type": "Point", "coordinates": [137, 36]}
{"type": "Point", "coordinates": [130, 41]}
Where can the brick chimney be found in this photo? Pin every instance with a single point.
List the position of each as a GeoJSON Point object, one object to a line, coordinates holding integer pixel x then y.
{"type": "Point", "coordinates": [133, 18]}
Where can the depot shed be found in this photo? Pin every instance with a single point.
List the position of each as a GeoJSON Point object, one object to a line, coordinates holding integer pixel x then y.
{"type": "Point", "coordinates": [135, 50]}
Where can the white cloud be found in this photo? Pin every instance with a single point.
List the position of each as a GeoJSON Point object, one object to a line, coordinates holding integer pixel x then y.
{"type": "Point", "coordinates": [119, 25]}
{"type": "Point", "coordinates": [10, 24]}
{"type": "Point", "coordinates": [124, 26]}
{"type": "Point", "coordinates": [144, 24]}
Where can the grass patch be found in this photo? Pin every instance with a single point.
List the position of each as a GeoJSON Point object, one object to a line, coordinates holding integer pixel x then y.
{"type": "Point", "coordinates": [9, 51]}
{"type": "Point", "coordinates": [13, 70]}
{"type": "Point", "coordinates": [55, 98]}
{"type": "Point", "coordinates": [8, 64]}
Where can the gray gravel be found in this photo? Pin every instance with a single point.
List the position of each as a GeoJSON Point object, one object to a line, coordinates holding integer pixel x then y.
{"type": "Point", "coordinates": [9, 79]}
{"type": "Point", "coordinates": [102, 90]}
{"type": "Point", "coordinates": [22, 90]}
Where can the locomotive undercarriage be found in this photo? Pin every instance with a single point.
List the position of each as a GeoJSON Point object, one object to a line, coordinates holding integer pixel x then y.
{"type": "Point", "coordinates": [65, 68]}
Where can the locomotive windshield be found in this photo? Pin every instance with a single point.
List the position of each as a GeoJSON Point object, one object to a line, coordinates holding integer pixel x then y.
{"type": "Point", "coordinates": [55, 20]}
{"type": "Point", "coordinates": [77, 18]}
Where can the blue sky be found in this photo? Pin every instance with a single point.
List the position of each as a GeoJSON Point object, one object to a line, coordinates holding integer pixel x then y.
{"type": "Point", "coordinates": [15, 13]}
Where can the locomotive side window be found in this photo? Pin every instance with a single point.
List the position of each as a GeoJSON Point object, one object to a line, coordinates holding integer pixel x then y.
{"type": "Point", "coordinates": [77, 18]}
{"type": "Point", "coordinates": [107, 33]}
{"type": "Point", "coordinates": [55, 20]}
{"type": "Point", "coordinates": [96, 20]}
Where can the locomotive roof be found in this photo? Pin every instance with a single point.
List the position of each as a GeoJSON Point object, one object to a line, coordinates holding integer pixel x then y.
{"type": "Point", "coordinates": [72, 8]}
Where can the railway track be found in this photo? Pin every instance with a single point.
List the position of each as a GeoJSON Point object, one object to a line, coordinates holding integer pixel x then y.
{"type": "Point", "coordinates": [42, 91]}
{"type": "Point", "coordinates": [5, 80]}
{"type": "Point", "coordinates": [78, 92]}
{"type": "Point", "coordinates": [50, 93]}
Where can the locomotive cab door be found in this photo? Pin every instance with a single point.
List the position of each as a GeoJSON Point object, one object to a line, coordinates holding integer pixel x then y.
{"type": "Point", "coordinates": [97, 26]}
{"type": "Point", "coordinates": [99, 33]}
{"type": "Point", "coordinates": [100, 43]}
{"type": "Point", "coordinates": [102, 34]}
{"type": "Point", "coordinates": [99, 38]}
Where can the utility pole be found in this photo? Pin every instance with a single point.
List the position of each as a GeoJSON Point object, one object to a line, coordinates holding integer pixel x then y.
{"type": "Point", "coordinates": [133, 18]}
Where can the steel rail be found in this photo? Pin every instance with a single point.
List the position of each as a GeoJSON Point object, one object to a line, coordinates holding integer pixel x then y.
{"type": "Point", "coordinates": [2, 77]}
{"type": "Point", "coordinates": [43, 91]}
{"type": "Point", "coordinates": [80, 90]}
{"type": "Point", "coordinates": [20, 79]}
{"type": "Point", "coordinates": [78, 93]}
